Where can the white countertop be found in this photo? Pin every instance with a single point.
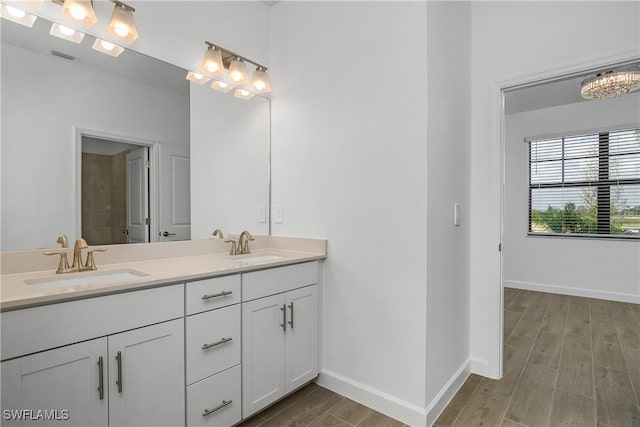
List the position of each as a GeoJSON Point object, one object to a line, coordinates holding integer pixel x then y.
{"type": "Point", "coordinates": [16, 293]}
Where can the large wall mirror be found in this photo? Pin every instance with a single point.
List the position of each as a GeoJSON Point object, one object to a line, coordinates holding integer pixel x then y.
{"type": "Point", "coordinates": [122, 149]}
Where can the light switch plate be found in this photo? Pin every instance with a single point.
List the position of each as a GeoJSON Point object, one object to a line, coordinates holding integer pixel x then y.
{"type": "Point", "coordinates": [278, 214]}
{"type": "Point", "coordinates": [262, 213]}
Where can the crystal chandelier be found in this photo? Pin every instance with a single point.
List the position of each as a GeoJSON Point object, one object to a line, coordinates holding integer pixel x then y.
{"type": "Point", "coordinates": [611, 84]}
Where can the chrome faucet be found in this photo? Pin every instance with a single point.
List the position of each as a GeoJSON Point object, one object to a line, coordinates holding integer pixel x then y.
{"type": "Point", "coordinates": [243, 243]}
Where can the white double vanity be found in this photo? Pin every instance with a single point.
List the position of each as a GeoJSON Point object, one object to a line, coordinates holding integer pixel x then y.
{"type": "Point", "coordinates": [190, 336]}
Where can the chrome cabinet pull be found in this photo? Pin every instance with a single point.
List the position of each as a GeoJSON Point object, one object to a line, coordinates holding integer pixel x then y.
{"type": "Point", "coordinates": [217, 408]}
{"type": "Point", "coordinates": [291, 321]}
{"type": "Point", "coordinates": [119, 380]}
{"type": "Point", "coordinates": [222, 341]}
{"type": "Point", "coordinates": [101, 377]}
{"type": "Point", "coordinates": [284, 317]}
{"type": "Point", "coordinates": [221, 294]}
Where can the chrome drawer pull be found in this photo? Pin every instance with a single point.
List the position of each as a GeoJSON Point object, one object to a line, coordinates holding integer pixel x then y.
{"type": "Point", "coordinates": [221, 294]}
{"type": "Point", "coordinates": [222, 341]}
{"type": "Point", "coordinates": [217, 408]}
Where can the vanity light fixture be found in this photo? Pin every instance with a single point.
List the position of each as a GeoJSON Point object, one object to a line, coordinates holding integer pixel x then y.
{"type": "Point", "coordinates": [212, 62]}
{"type": "Point", "coordinates": [611, 84]}
{"type": "Point", "coordinates": [80, 11]}
{"type": "Point", "coordinates": [243, 94]}
{"type": "Point", "coordinates": [122, 25]}
{"type": "Point", "coordinates": [197, 77]}
{"type": "Point", "coordinates": [66, 33]}
{"type": "Point", "coordinates": [107, 47]}
{"type": "Point", "coordinates": [16, 15]}
{"type": "Point", "coordinates": [221, 86]}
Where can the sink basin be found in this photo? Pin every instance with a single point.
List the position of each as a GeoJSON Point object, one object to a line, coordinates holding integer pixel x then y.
{"type": "Point", "coordinates": [84, 279]}
{"type": "Point", "coordinates": [257, 258]}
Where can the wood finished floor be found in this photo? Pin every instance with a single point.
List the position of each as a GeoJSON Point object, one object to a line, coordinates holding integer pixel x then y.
{"type": "Point", "coordinates": [568, 361]}
{"type": "Point", "coordinates": [315, 406]}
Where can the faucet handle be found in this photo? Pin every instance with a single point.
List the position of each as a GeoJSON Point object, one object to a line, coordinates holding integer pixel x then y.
{"type": "Point", "coordinates": [63, 265]}
{"type": "Point", "coordinates": [217, 233]}
{"type": "Point", "coordinates": [233, 250]}
{"type": "Point", "coordinates": [90, 263]}
{"type": "Point", "coordinates": [63, 240]}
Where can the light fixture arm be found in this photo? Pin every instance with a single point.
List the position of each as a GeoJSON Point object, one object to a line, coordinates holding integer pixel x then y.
{"type": "Point", "coordinates": [228, 55]}
{"type": "Point", "coordinates": [123, 5]}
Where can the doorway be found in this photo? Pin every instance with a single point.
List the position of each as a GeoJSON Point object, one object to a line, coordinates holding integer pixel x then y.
{"type": "Point", "coordinates": [115, 193]}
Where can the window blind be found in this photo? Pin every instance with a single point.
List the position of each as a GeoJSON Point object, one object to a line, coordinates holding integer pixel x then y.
{"type": "Point", "coordinates": [586, 184]}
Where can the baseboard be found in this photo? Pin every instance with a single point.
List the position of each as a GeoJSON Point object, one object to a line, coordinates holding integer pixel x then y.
{"type": "Point", "coordinates": [382, 402]}
{"type": "Point", "coordinates": [578, 292]}
{"type": "Point", "coordinates": [442, 399]}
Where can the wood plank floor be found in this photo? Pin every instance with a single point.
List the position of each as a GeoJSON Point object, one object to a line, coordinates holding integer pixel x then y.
{"type": "Point", "coordinates": [315, 406]}
{"type": "Point", "coordinates": [568, 361]}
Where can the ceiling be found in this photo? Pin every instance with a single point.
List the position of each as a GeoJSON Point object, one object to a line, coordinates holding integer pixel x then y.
{"type": "Point", "coordinates": [562, 91]}
{"type": "Point", "coordinates": [130, 64]}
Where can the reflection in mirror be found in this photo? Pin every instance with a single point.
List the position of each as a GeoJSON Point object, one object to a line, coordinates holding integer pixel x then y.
{"type": "Point", "coordinates": [55, 93]}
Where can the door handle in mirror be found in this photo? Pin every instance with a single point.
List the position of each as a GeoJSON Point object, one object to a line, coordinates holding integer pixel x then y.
{"type": "Point", "coordinates": [166, 234]}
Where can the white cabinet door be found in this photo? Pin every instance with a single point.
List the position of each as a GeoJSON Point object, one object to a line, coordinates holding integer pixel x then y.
{"type": "Point", "coordinates": [301, 337]}
{"type": "Point", "coordinates": [262, 353]}
{"type": "Point", "coordinates": [146, 376]}
{"type": "Point", "coordinates": [58, 387]}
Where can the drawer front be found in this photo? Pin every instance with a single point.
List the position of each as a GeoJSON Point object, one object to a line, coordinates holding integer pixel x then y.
{"type": "Point", "coordinates": [208, 400]}
{"type": "Point", "coordinates": [262, 283]}
{"type": "Point", "coordinates": [213, 342]}
{"type": "Point", "coordinates": [203, 295]}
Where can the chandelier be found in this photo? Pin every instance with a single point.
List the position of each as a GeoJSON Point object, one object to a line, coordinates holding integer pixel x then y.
{"type": "Point", "coordinates": [611, 84]}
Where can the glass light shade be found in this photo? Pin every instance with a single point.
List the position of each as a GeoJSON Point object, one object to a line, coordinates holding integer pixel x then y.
{"type": "Point", "coordinates": [238, 72]}
{"type": "Point", "coordinates": [122, 25]}
{"type": "Point", "coordinates": [611, 85]}
{"type": "Point", "coordinates": [212, 62]}
{"type": "Point", "coordinates": [80, 11]}
{"type": "Point", "coordinates": [221, 86]}
{"type": "Point", "coordinates": [107, 47]}
{"type": "Point", "coordinates": [18, 16]}
{"type": "Point", "coordinates": [197, 78]}
{"type": "Point", "coordinates": [243, 94]}
{"type": "Point", "coordinates": [260, 82]}
{"type": "Point", "coordinates": [66, 33]}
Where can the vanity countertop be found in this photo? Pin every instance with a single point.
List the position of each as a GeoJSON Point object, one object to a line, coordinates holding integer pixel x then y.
{"type": "Point", "coordinates": [17, 290]}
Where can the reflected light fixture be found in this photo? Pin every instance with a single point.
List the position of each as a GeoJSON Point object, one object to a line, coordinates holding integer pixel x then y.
{"type": "Point", "coordinates": [237, 72]}
{"type": "Point", "coordinates": [122, 25]}
{"type": "Point", "coordinates": [611, 84]}
{"type": "Point", "coordinates": [80, 11]}
{"type": "Point", "coordinates": [18, 16]}
{"type": "Point", "coordinates": [259, 81]}
{"type": "Point", "coordinates": [197, 77]}
{"type": "Point", "coordinates": [107, 47]}
{"type": "Point", "coordinates": [243, 94]}
{"type": "Point", "coordinates": [212, 61]}
{"type": "Point", "coordinates": [66, 33]}
{"type": "Point", "coordinates": [221, 86]}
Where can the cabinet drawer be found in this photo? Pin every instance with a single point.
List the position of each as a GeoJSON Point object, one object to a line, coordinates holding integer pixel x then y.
{"type": "Point", "coordinates": [203, 295]}
{"type": "Point", "coordinates": [259, 284]}
{"type": "Point", "coordinates": [208, 400]}
{"type": "Point", "coordinates": [218, 331]}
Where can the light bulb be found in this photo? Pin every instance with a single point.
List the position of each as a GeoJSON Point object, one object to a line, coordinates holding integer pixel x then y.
{"type": "Point", "coordinates": [198, 76]}
{"type": "Point", "coordinates": [222, 85]}
{"type": "Point", "coordinates": [15, 12]}
{"type": "Point", "coordinates": [212, 67]}
{"type": "Point", "coordinates": [121, 30]}
{"type": "Point", "coordinates": [260, 85]}
{"type": "Point", "coordinates": [236, 77]}
{"type": "Point", "coordinates": [77, 12]}
{"type": "Point", "coordinates": [244, 92]}
{"type": "Point", "coordinates": [66, 30]}
{"type": "Point", "coordinates": [106, 45]}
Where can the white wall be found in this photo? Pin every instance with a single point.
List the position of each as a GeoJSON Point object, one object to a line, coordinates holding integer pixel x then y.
{"type": "Point", "coordinates": [349, 159]}
{"type": "Point", "coordinates": [39, 112]}
{"type": "Point", "coordinates": [448, 154]}
{"type": "Point", "coordinates": [512, 40]}
{"type": "Point", "coordinates": [577, 266]}
{"type": "Point", "coordinates": [229, 162]}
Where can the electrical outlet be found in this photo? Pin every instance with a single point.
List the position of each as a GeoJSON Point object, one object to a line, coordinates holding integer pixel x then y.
{"type": "Point", "coordinates": [278, 214]}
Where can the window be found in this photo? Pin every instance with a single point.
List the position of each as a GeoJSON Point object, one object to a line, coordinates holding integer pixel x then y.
{"type": "Point", "coordinates": [586, 185]}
